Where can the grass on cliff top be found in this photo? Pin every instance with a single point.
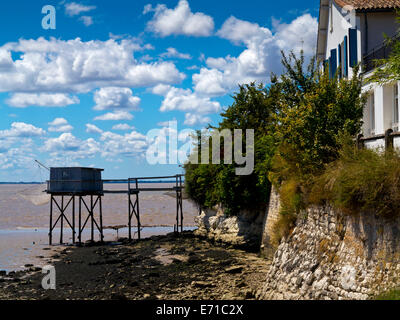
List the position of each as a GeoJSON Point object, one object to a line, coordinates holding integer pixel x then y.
{"type": "Point", "coordinates": [361, 181]}
{"type": "Point", "coordinates": [390, 295]}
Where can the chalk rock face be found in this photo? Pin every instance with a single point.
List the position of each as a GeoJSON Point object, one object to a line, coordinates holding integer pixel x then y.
{"type": "Point", "coordinates": [244, 229]}
{"type": "Point", "coordinates": [333, 256]}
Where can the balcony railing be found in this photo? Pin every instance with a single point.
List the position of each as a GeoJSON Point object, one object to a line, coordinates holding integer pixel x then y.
{"type": "Point", "coordinates": [381, 52]}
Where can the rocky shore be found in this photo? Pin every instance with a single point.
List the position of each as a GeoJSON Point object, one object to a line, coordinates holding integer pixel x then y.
{"type": "Point", "coordinates": [172, 267]}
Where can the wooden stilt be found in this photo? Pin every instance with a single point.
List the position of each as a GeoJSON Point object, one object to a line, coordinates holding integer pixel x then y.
{"type": "Point", "coordinates": [92, 220]}
{"type": "Point", "coordinates": [73, 219]}
{"type": "Point", "coordinates": [80, 220]}
{"type": "Point", "coordinates": [62, 220]}
{"type": "Point", "coordinates": [130, 216]}
{"type": "Point", "coordinates": [101, 220]}
{"type": "Point", "coordinates": [51, 222]}
{"type": "Point", "coordinates": [177, 206]}
{"type": "Point", "coordinates": [137, 209]}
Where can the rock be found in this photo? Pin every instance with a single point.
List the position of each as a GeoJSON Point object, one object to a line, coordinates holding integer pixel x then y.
{"type": "Point", "coordinates": [202, 284]}
{"type": "Point", "coordinates": [240, 284]}
{"type": "Point", "coordinates": [194, 259]}
{"type": "Point", "coordinates": [234, 269]}
{"type": "Point", "coordinates": [154, 275]}
{"type": "Point", "coordinates": [35, 269]}
{"type": "Point", "coordinates": [133, 284]}
{"type": "Point", "coordinates": [249, 295]}
{"type": "Point", "coordinates": [146, 296]}
{"type": "Point", "coordinates": [28, 265]}
{"type": "Point", "coordinates": [244, 229]}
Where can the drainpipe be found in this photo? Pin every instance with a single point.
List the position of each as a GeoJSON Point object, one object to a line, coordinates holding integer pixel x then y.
{"type": "Point", "coordinates": [366, 34]}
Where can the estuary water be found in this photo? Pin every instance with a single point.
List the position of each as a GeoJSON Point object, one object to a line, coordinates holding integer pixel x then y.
{"type": "Point", "coordinates": [24, 221]}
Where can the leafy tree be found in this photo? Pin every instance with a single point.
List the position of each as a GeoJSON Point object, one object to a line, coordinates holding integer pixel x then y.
{"type": "Point", "coordinates": [253, 108]}
{"type": "Point", "coordinates": [313, 111]}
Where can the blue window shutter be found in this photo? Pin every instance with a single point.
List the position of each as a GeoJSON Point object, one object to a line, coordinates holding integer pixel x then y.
{"type": "Point", "coordinates": [333, 62]}
{"type": "Point", "coordinates": [345, 58]}
{"type": "Point", "coordinates": [340, 60]}
{"type": "Point", "coordinates": [353, 47]}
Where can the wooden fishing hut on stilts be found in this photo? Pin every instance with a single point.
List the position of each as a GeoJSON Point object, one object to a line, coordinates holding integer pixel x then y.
{"type": "Point", "coordinates": [86, 184]}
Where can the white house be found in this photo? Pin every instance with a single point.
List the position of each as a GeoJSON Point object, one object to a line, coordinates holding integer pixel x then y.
{"type": "Point", "coordinates": [352, 32]}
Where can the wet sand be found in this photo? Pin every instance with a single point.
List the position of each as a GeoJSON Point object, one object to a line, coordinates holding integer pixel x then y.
{"type": "Point", "coordinates": [172, 267]}
{"type": "Point", "coordinates": [30, 246]}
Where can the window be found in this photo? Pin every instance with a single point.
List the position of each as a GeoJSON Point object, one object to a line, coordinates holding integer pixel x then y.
{"type": "Point", "coordinates": [395, 125]}
{"type": "Point", "coordinates": [372, 114]}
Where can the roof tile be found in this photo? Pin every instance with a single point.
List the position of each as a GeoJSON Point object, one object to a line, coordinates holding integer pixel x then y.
{"type": "Point", "coordinates": [370, 4]}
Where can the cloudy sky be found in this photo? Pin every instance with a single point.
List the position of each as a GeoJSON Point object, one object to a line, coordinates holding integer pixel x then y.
{"type": "Point", "coordinates": [88, 92]}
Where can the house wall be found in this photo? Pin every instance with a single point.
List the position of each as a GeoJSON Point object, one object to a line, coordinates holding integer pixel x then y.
{"type": "Point", "coordinates": [338, 28]}
{"type": "Point", "coordinates": [379, 23]}
{"type": "Point", "coordinates": [384, 110]}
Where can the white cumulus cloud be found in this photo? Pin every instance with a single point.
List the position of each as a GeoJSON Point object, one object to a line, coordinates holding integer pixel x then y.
{"type": "Point", "coordinates": [128, 145]}
{"type": "Point", "coordinates": [67, 145]}
{"type": "Point", "coordinates": [114, 98]}
{"type": "Point", "coordinates": [173, 53]}
{"type": "Point", "coordinates": [196, 119]}
{"type": "Point", "coordinates": [60, 125]}
{"type": "Point", "coordinates": [179, 21]}
{"type": "Point", "coordinates": [91, 128]}
{"type": "Point", "coordinates": [115, 116]}
{"type": "Point", "coordinates": [58, 66]}
{"type": "Point", "coordinates": [23, 100]}
{"type": "Point", "coordinates": [86, 20]}
{"type": "Point", "coordinates": [22, 130]}
{"type": "Point", "coordinates": [123, 127]}
{"type": "Point", "coordinates": [75, 9]}
{"type": "Point", "coordinates": [261, 56]}
{"type": "Point", "coordinates": [185, 100]}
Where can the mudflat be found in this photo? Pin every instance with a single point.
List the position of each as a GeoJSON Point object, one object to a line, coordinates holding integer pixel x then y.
{"type": "Point", "coordinates": [171, 267]}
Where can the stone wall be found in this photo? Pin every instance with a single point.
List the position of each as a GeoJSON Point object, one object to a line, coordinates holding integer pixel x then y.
{"type": "Point", "coordinates": [270, 219]}
{"type": "Point", "coordinates": [242, 230]}
{"type": "Point", "coordinates": [332, 256]}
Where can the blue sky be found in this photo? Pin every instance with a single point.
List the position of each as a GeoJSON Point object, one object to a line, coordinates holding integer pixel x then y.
{"type": "Point", "coordinates": [88, 92]}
